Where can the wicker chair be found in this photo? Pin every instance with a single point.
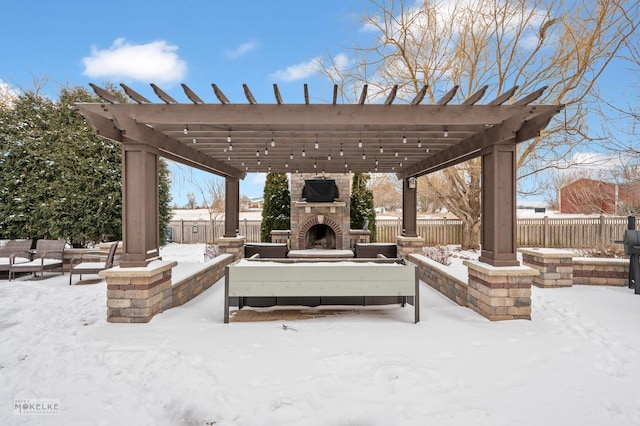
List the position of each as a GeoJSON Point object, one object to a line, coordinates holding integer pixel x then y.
{"type": "Point", "coordinates": [48, 255]}
{"type": "Point", "coordinates": [92, 263]}
{"type": "Point", "coordinates": [14, 246]}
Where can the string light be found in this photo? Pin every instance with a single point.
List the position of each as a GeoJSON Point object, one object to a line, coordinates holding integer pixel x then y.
{"type": "Point", "coordinates": [291, 156]}
{"type": "Point", "coordinates": [419, 144]}
{"type": "Point", "coordinates": [185, 130]}
{"type": "Point", "coordinates": [266, 149]}
{"type": "Point", "coordinates": [257, 153]}
{"type": "Point", "coordinates": [396, 153]}
{"type": "Point", "coordinates": [329, 156]}
{"type": "Point", "coordinates": [360, 141]}
{"type": "Point", "coordinates": [364, 157]}
{"type": "Point", "coordinates": [194, 140]}
{"type": "Point", "coordinates": [273, 142]}
{"type": "Point", "coordinates": [229, 137]}
{"type": "Point", "coordinates": [304, 154]}
{"type": "Point", "coordinates": [317, 145]}
{"type": "Point", "coordinates": [446, 132]}
{"type": "Point", "coordinates": [381, 148]}
{"type": "Point", "coordinates": [404, 137]}
{"type": "Point", "coordinates": [341, 151]}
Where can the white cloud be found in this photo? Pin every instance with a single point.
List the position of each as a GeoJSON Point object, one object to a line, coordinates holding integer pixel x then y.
{"type": "Point", "coordinates": [241, 50]}
{"type": "Point", "coordinates": [152, 62]}
{"type": "Point", "coordinates": [298, 71]}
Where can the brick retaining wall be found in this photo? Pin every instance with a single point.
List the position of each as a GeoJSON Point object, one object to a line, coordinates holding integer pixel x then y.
{"type": "Point", "coordinates": [599, 271]}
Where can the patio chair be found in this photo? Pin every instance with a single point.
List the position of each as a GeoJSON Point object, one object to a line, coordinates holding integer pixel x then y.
{"type": "Point", "coordinates": [48, 255]}
{"type": "Point", "coordinates": [20, 247]}
{"type": "Point", "coordinates": [92, 263]}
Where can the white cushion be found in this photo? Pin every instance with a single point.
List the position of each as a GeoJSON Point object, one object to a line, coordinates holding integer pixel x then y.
{"type": "Point", "coordinates": [5, 260]}
{"type": "Point", "coordinates": [89, 265]}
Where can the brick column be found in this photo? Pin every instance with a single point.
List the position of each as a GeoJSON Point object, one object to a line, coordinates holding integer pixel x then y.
{"type": "Point", "coordinates": [408, 245]}
{"type": "Point", "coordinates": [232, 245]}
{"type": "Point", "coordinates": [136, 294]}
{"type": "Point", "coordinates": [500, 293]}
{"type": "Point", "coordinates": [555, 266]}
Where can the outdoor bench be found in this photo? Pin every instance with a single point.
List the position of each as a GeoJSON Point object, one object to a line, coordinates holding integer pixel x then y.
{"type": "Point", "coordinates": [321, 278]}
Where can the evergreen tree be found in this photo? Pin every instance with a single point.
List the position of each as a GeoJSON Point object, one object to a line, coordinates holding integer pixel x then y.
{"type": "Point", "coordinates": [164, 199]}
{"type": "Point", "coordinates": [362, 207]}
{"type": "Point", "coordinates": [57, 178]}
{"type": "Point", "coordinates": [276, 213]}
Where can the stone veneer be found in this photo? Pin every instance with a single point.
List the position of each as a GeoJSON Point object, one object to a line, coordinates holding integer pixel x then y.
{"type": "Point", "coordinates": [137, 294]}
{"type": "Point", "coordinates": [191, 286]}
{"type": "Point", "coordinates": [409, 245]}
{"type": "Point", "coordinates": [232, 245]}
{"type": "Point", "coordinates": [600, 271]}
{"type": "Point", "coordinates": [555, 266]}
{"type": "Point", "coordinates": [497, 293]}
{"type": "Point", "coordinates": [435, 275]}
{"type": "Point", "coordinates": [500, 293]}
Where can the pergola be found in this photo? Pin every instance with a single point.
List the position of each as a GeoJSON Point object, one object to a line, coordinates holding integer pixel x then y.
{"type": "Point", "coordinates": [231, 140]}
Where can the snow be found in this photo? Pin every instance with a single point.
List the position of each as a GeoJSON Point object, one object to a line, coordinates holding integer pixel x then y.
{"type": "Point", "coordinates": [573, 363]}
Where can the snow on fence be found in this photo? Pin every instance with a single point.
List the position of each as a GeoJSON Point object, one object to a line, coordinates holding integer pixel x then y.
{"type": "Point", "coordinates": [583, 232]}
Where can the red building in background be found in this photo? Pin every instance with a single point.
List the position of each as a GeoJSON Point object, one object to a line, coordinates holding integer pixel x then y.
{"type": "Point", "coordinates": [588, 196]}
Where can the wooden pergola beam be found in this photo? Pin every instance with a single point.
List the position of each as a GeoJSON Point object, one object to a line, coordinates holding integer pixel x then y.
{"type": "Point", "coordinates": [191, 94]}
{"type": "Point", "coordinates": [249, 95]}
{"type": "Point", "coordinates": [471, 100]}
{"type": "Point", "coordinates": [277, 95]}
{"type": "Point", "coordinates": [221, 97]}
{"type": "Point", "coordinates": [137, 97]}
{"type": "Point", "coordinates": [392, 95]}
{"type": "Point", "coordinates": [420, 95]}
{"type": "Point", "coordinates": [448, 96]}
{"type": "Point", "coordinates": [504, 97]}
{"type": "Point", "coordinates": [164, 96]}
{"type": "Point", "coordinates": [363, 94]}
{"type": "Point", "coordinates": [104, 94]}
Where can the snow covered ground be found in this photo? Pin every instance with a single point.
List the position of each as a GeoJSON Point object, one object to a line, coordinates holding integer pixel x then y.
{"type": "Point", "coordinates": [576, 363]}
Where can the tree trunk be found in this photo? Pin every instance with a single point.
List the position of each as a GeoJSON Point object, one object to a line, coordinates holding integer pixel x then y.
{"type": "Point", "coordinates": [470, 235]}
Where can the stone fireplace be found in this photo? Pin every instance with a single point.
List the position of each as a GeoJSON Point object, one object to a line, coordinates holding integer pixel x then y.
{"type": "Point", "coordinates": [320, 225]}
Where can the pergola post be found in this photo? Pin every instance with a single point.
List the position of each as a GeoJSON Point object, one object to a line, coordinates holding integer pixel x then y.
{"type": "Point", "coordinates": [409, 242]}
{"type": "Point", "coordinates": [140, 208]}
{"type": "Point", "coordinates": [231, 242]}
{"type": "Point", "coordinates": [499, 225]}
{"type": "Point", "coordinates": [409, 208]}
{"type": "Point", "coordinates": [232, 207]}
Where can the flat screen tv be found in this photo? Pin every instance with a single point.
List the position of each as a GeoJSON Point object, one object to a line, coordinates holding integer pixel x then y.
{"type": "Point", "coordinates": [319, 190]}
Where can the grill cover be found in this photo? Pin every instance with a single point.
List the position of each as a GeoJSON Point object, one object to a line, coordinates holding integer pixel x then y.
{"type": "Point", "coordinates": [320, 190]}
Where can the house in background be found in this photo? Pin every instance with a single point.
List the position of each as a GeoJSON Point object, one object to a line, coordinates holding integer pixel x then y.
{"type": "Point", "coordinates": [589, 196]}
{"type": "Point", "coordinates": [255, 203]}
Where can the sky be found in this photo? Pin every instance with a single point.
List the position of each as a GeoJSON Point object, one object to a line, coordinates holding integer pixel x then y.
{"type": "Point", "coordinates": [194, 42]}
{"type": "Point", "coordinates": [168, 42]}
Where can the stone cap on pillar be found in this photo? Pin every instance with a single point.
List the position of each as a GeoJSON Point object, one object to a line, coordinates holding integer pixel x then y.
{"type": "Point", "coordinates": [153, 268]}
{"type": "Point", "coordinates": [547, 252]}
{"type": "Point", "coordinates": [485, 268]}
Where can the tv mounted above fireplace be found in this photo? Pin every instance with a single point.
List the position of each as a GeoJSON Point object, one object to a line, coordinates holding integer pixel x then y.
{"type": "Point", "coordinates": [320, 190]}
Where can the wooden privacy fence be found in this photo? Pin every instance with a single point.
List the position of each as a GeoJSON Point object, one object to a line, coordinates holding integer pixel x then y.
{"type": "Point", "coordinates": [587, 232]}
